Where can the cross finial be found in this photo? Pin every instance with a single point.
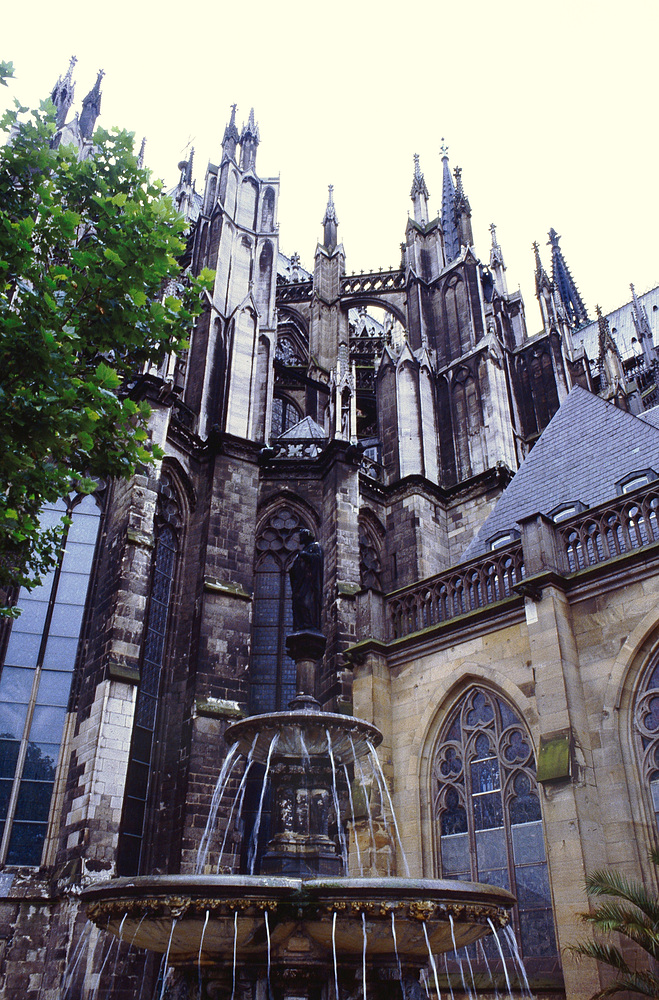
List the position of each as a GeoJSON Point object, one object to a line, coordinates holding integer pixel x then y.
{"type": "Point", "coordinates": [444, 149]}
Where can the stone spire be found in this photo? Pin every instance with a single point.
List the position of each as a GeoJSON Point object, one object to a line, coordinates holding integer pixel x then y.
{"type": "Point", "coordinates": [231, 136]}
{"type": "Point", "coordinates": [91, 108]}
{"type": "Point", "coordinates": [140, 155]}
{"type": "Point", "coordinates": [542, 281]}
{"type": "Point", "coordinates": [642, 325]}
{"type": "Point", "coordinates": [449, 221]}
{"type": "Point", "coordinates": [609, 355]}
{"type": "Point", "coordinates": [249, 141]}
{"type": "Point", "coordinates": [462, 212]}
{"type": "Point", "coordinates": [62, 94]}
{"type": "Point", "coordinates": [496, 262]}
{"type": "Point", "coordinates": [419, 194]}
{"type": "Point", "coordinates": [544, 291]}
{"type": "Point", "coordinates": [575, 310]}
{"type": "Point", "coordinates": [330, 222]}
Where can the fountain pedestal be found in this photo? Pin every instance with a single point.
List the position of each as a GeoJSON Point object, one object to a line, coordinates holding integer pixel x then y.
{"type": "Point", "coordinates": [298, 931]}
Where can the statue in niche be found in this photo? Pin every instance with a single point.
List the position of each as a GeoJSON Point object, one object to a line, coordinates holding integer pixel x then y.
{"type": "Point", "coordinates": [306, 576]}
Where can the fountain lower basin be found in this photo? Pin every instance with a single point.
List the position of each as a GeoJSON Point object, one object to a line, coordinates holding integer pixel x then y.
{"type": "Point", "coordinates": [253, 919]}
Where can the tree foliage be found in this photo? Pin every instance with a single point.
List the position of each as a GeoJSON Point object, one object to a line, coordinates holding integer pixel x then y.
{"type": "Point", "coordinates": [86, 249]}
{"type": "Point", "coordinates": [631, 911]}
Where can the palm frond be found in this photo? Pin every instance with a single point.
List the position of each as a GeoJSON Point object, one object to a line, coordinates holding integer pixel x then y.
{"type": "Point", "coordinates": [602, 952]}
{"type": "Point", "coordinates": [606, 882]}
{"type": "Point", "coordinates": [611, 916]}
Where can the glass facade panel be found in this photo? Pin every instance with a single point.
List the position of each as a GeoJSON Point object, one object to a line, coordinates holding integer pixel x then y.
{"type": "Point", "coordinates": [146, 706]}
{"type": "Point", "coordinates": [26, 843]}
{"type": "Point", "coordinates": [36, 681]}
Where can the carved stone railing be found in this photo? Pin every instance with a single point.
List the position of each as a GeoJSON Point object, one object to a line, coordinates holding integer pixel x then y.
{"type": "Point", "coordinates": [461, 589]}
{"type": "Point", "coordinates": [298, 449]}
{"type": "Point", "coordinates": [592, 537]}
{"type": "Point", "coordinates": [294, 291]}
{"type": "Point", "coordinates": [609, 530]}
{"type": "Point", "coordinates": [372, 469]}
{"type": "Point", "coordinates": [376, 281]}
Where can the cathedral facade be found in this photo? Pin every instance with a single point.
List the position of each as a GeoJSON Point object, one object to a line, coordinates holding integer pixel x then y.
{"type": "Point", "coordinates": [488, 505]}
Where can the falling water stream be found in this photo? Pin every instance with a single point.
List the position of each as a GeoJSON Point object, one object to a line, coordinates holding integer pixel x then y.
{"type": "Point", "coordinates": [165, 961]}
{"type": "Point", "coordinates": [383, 784]}
{"type": "Point", "coordinates": [517, 958]}
{"type": "Point", "coordinates": [336, 968]}
{"type": "Point", "coordinates": [201, 944]}
{"type": "Point", "coordinates": [364, 954]}
{"type": "Point", "coordinates": [335, 796]}
{"type": "Point", "coordinates": [257, 824]}
{"type": "Point", "coordinates": [235, 948]}
{"type": "Point", "coordinates": [267, 931]}
{"type": "Point", "coordinates": [220, 787]}
{"type": "Point", "coordinates": [432, 961]}
{"type": "Point", "coordinates": [352, 816]}
{"type": "Point", "coordinates": [358, 765]}
{"type": "Point", "coordinates": [459, 960]}
{"type": "Point", "coordinates": [393, 934]}
{"type": "Point", "coordinates": [503, 960]}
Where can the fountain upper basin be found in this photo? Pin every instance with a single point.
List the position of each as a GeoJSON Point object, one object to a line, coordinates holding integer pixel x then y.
{"type": "Point", "coordinates": [304, 734]}
{"type": "Point", "coordinates": [209, 918]}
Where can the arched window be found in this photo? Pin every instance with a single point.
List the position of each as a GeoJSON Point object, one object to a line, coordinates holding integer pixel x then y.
{"type": "Point", "coordinates": [272, 671]}
{"type": "Point", "coordinates": [487, 818]}
{"type": "Point", "coordinates": [36, 681]}
{"type": "Point", "coordinates": [168, 523]}
{"type": "Point", "coordinates": [370, 568]}
{"type": "Point", "coordinates": [646, 726]}
{"type": "Point", "coordinates": [285, 414]}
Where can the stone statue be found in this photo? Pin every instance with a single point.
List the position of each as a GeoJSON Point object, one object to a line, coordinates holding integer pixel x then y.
{"type": "Point", "coordinates": [306, 576]}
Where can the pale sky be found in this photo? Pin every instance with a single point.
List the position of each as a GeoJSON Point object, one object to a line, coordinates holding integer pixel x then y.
{"type": "Point", "coordinates": [550, 110]}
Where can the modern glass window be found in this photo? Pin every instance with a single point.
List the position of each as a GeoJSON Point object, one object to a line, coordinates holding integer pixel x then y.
{"type": "Point", "coordinates": [36, 682]}
{"type": "Point", "coordinates": [146, 705]}
{"type": "Point", "coordinates": [487, 815]}
{"type": "Point", "coordinates": [272, 671]}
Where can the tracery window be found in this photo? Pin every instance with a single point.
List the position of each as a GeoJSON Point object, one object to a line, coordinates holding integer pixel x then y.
{"type": "Point", "coordinates": [487, 815]}
{"type": "Point", "coordinates": [646, 725]}
{"type": "Point", "coordinates": [285, 415]}
{"type": "Point", "coordinates": [272, 671]}
{"type": "Point", "coordinates": [370, 568]}
{"type": "Point", "coordinates": [168, 524]}
{"type": "Point", "coordinates": [36, 682]}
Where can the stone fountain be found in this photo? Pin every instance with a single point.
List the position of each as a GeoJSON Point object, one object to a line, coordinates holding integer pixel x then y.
{"type": "Point", "coordinates": [303, 928]}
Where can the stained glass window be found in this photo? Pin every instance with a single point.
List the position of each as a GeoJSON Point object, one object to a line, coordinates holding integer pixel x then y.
{"type": "Point", "coordinates": [487, 814]}
{"type": "Point", "coordinates": [36, 682]}
{"type": "Point", "coordinates": [272, 671]}
{"type": "Point", "coordinates": [646, 724]}
{"type": "Point", "coordinates": [285, 415]}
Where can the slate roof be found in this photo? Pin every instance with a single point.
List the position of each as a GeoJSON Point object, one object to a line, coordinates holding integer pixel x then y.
{"type": "Point", "coordinates": [304, 430]}
{"type": "Point", "coordinates": [587, 447]}
{"type": "Point", "coordinates": [651, 416]}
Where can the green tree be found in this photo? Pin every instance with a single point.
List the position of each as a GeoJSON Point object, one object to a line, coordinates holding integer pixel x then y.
{"type": "Point", "coordinates": [86, 249]}
{"type": "Point", "coordinates": [632, 912]}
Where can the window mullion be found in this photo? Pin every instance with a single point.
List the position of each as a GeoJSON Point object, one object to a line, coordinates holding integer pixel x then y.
{"type": "Point", "coordinates": [20, 763]}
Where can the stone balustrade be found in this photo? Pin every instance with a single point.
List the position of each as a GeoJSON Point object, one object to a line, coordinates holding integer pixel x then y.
{"type": "Point", "coordinates": [595, 536]}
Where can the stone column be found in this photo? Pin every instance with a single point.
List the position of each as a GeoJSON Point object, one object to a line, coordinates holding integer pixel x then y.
{"type": "Point", "coordinates": [570, 802]}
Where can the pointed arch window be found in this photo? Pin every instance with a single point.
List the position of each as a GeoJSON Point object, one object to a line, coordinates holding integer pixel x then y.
{"type": "Point", "coordinates": [35, 683]}
{"type": "Point", "coordinates": [138, 776]}
{"type": "Point", "coordinates": [646, 726]}
{"type": "Point", "coordinates": [285, 414]}
{"type": "Point", "coordinates": [486, 812]}
{"type": "Point", "coordinates": [272, 671]}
